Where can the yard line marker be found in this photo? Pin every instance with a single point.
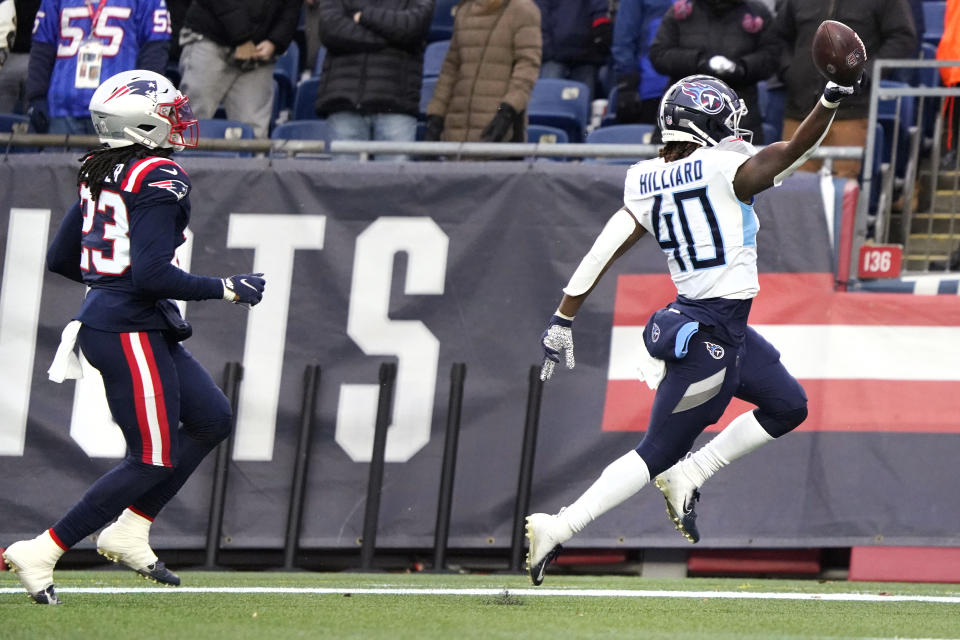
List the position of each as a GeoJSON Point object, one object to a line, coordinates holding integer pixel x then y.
{"type": "Point", "coordinates": [568, 593]}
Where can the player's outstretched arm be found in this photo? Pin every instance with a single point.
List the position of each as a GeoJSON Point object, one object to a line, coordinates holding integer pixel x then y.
{"type": "Point", "coordinates": [775, 162]}
{"type": "Point", "coordinates": [619, 234]}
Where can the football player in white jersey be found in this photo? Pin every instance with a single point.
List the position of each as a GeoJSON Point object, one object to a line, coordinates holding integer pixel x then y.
{"type": "Point", "coordinates": [696, 200]}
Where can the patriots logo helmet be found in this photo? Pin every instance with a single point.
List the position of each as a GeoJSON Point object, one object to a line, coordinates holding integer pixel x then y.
{"type": "Point", "coordinates": [702, 109]}
{"type": "Point", "coordinates": [142, 107]}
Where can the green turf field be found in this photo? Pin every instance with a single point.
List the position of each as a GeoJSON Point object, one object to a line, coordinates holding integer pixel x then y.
{"type": "Point", "coordinates": [265, 605]}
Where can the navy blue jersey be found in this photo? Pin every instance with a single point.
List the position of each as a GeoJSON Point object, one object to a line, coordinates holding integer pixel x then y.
{"type": "Point", "coordinates": [122, 246]}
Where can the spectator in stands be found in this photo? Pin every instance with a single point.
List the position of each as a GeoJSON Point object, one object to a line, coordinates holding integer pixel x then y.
{"type": "Point", "coordinates": [8, 33]}
{"type": "Point", "coordinates": [311, 32]}
{"type": "Point", "coordinates": [949, 49]}
{"type": "Point", "coordinates": [576, 39]}
{"type": "Point", "coordinates": [370, 84]}
{"type": "Point", "coordinates": [733, 40]}
{"type": "Point", "coordinates": [229, 49]}
{"type": "Point", "coordinates": [79, 43]}
{"type": "Point", "coordinates": [488, 73]}
{"type": "Point", "coordinates": [639, 86]}
{"type": "Point", "coordinates": [886, 29]}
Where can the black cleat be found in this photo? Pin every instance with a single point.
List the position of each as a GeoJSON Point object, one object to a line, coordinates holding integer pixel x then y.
{"type": "Point", "coordinates": [159, 573]}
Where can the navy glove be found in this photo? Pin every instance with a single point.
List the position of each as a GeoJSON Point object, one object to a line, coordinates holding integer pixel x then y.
{"type": "Point", "coordinates": [434, 129]}
{"type": "Point", "coordinates": [244, 288]}
{"type": "Point", "coordinates": [500, 125]}
{"type": "Point", "coordinates": [628, 100]}
{"type": "Point", "coordinates": [39, 114]}
{"type": "Point", "coordinates": [556, 339]}
{"type": "Point", "coordinates": [834, 93]}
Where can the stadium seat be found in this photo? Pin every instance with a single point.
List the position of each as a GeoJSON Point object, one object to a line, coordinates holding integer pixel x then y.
{"type": "Point", "coordinates": [426, 93]}
{"type": "Point", "coordinates": [769, 133]}
{"type": "Point", "coordinates": [886, 116]}
{"type": "Point", "coordinates": [933, 15]}
{"type": "Point", "coordinates": [621, 134]}
{"type": "Point", "coordinates": [225, 129]}
{"type": "Point", "coordinates": [314, 129]}
{"type": "Point", "coordinates": [772, 111]}
{"type": "Point", "coordinates": [318, 63]}
{"type": "Point", "coordinates": [441, 27]}
{"type": "Point", "coordinates": [560, 103]}
{"type": "Point", "coordinates": [13, 122]}
{"type": "Point", "coordinates": [433, 58]}
{"type": "Point", "coordinates": [539, 133]}
{"type": "Point", "coordinates": [304, 100]}
{"type": "Point", "coordinates": [286, 71]}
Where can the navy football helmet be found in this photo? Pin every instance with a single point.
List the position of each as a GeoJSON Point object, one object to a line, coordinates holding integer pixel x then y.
{"type": "Point", "coordinates": [702, 109]}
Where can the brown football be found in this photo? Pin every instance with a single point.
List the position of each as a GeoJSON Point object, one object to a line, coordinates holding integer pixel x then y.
{"type": "Point", "coordinates": [838, 53]}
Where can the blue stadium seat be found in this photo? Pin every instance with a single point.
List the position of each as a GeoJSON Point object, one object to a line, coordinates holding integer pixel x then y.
{"type": "Point", "coordinates": [426, 93]}
{"type": "Point", "coordinates": [318, 63]}
{"type": "Point", "coordinates": [886, 117]}
{"type": "Point", "coordinates": [772, 112]}
{"type": "Point", "coordinates": [933, 15]}
{"type": "Point", "coordinates": [304, 100]}
{"type": "Point", "coordinates": [10, 122]}
{"type": "Point", "coordinates": [560, 103]}
{"type": "Point", "coordinates": [770, 134]}
{"type": "Point", "coordinates": [441, 27]}
{"type": "Point", "coordinates": [433, 57]}
{"type": "Point", "coordinates": [621, 134]}
{"type": "Point", "coordinates": [286, 71]}
{"type": "Point", "coordinates": [303, 130]}
{"type": "Point", "coordinates": [548, 135]}
{"type": "Point", "coordinates": [226, 129]}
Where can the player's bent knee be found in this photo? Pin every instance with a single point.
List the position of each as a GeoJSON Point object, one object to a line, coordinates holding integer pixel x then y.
{"type": "Point", "coordinates": [781, 422]}
{"type": "Point", "coordinates": [212, 431]}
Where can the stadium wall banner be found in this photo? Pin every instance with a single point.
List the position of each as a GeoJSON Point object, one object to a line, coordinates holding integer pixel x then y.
{"type": "Point", "coordinates": [429, 264]}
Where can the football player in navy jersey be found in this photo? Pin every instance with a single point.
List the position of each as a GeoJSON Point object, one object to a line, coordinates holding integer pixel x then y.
{"type": "Point", "coordinates": [119, 240]}
{"type": "Point", "coordinates": [696, 200]}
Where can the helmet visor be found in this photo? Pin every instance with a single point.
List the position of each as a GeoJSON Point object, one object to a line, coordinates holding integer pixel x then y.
{"type": "Point", "coordinates": [184, 129]}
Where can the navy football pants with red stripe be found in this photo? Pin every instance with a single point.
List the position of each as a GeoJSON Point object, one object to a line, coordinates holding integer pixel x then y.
{"type": "Point", "coordinates": [172, 414]}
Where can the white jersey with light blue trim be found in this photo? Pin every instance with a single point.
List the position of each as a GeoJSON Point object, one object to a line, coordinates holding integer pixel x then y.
{"type": "Point", "coordinates": [707, 234]}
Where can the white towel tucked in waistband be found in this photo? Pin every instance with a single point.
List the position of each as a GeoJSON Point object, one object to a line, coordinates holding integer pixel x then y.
{"type": "Point", "coordinates": [651, 370]}
{"type": "Point", "coordinates": [66, 364]}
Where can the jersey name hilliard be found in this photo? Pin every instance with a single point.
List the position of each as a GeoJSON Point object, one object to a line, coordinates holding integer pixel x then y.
{"type": "Point", "coordinates": [706, 233]}
{"type": "Point", "coordinates": [675, 175]}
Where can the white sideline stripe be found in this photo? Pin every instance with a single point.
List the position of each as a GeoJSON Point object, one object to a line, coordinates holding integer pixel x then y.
{"type": "Point", "coordinates": [564, 593]}
{"type": "Point", "coordinates": [832, 351]}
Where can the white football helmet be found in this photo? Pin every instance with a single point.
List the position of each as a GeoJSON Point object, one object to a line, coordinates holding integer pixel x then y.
{"type": "Point", "coordinates": [142, 107]}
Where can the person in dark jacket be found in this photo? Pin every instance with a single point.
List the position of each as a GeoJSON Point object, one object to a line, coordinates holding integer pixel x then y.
{"type": "Point", "coordinates": [13, 72]}
{"type": "Point", "coordinates": [370, 83]}
{"type": "Point", "coordinates": [228, 51]}
{"type": "Point", "coordinates": [733, 40]}
{"type": "Point", "coordinates": [639, 86]}
{"type": "Point", "coordinates": [576, 39]}
{"type": "Point", "coordinates": [887, 31]}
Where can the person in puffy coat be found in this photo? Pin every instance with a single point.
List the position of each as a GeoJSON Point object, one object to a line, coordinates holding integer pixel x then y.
{"type": "Point", "coordinates": [733, 40]}
{"type": "Point", "coordinates": [370, 83]}
{"type": "Point", "coordinates": [488, 73]}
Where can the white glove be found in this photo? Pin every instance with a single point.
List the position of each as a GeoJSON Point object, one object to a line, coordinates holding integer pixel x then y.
{"type": "Point", "coordinates": [722, 64]}
{"type": "Point", "coordinates": [557, 338]}
{"type": "Point", "coordinates": [833, 93]}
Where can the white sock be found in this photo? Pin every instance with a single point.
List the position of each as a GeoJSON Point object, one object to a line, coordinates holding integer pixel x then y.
{"type": "Point", "coordinates": [49, 548]}
{"type": "Point", "coordinates": [621, 479]}
{"type": "Point", "coordinates": [135, 523]}
{"type": "Point", "coordinates": [740, 437]}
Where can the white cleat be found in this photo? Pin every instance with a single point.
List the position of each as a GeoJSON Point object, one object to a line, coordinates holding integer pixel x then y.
{"type": "Point", "coordinates": [545, 534]}
{"type": "Point", "coordinates": [129, 545]}
{"type": "Point", "coordinates": [681, 494]}
{"type": "Point", "coordinates": [32, 563]}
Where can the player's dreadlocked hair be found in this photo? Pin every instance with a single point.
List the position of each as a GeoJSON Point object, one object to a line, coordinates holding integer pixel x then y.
{"type": "Point", "coordinates": [677, 150]}
{"type": "Point", "coordinates": [97, 164]}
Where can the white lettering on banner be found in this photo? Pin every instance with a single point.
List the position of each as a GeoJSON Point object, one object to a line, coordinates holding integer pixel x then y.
{"type": "Point", "coordinates": [274, 239]}
{"type": "Point", "coordinates": [23, 269]}
{"type": "Point", "coordinates": [91, 423]}
{"type": "Point", "coordinates": [414, 345]}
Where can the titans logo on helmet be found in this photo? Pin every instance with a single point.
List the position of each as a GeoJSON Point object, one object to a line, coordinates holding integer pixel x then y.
{"type": "Point", "coordinates": [175, 187]}
{"type": "Point", "coordinates": [708, 98]}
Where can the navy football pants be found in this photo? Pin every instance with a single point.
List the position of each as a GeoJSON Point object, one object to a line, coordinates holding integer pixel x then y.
{"type": "Point", "coordinates": [153, 385]}
{"type": "Point", "coordinates": [697, 389]}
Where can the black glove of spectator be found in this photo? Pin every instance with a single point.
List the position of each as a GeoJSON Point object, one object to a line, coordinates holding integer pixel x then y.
{"type": "Point", "coordinates": [501, 123]}
{"type": "Point", "coordinates": [39, 114]}
{"type": "Point", "coordinates": [434, 129]}
{"type": "Point", "coordinates": [628, 100]}
{"type": "Point", "coordinates": [601, 36]}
